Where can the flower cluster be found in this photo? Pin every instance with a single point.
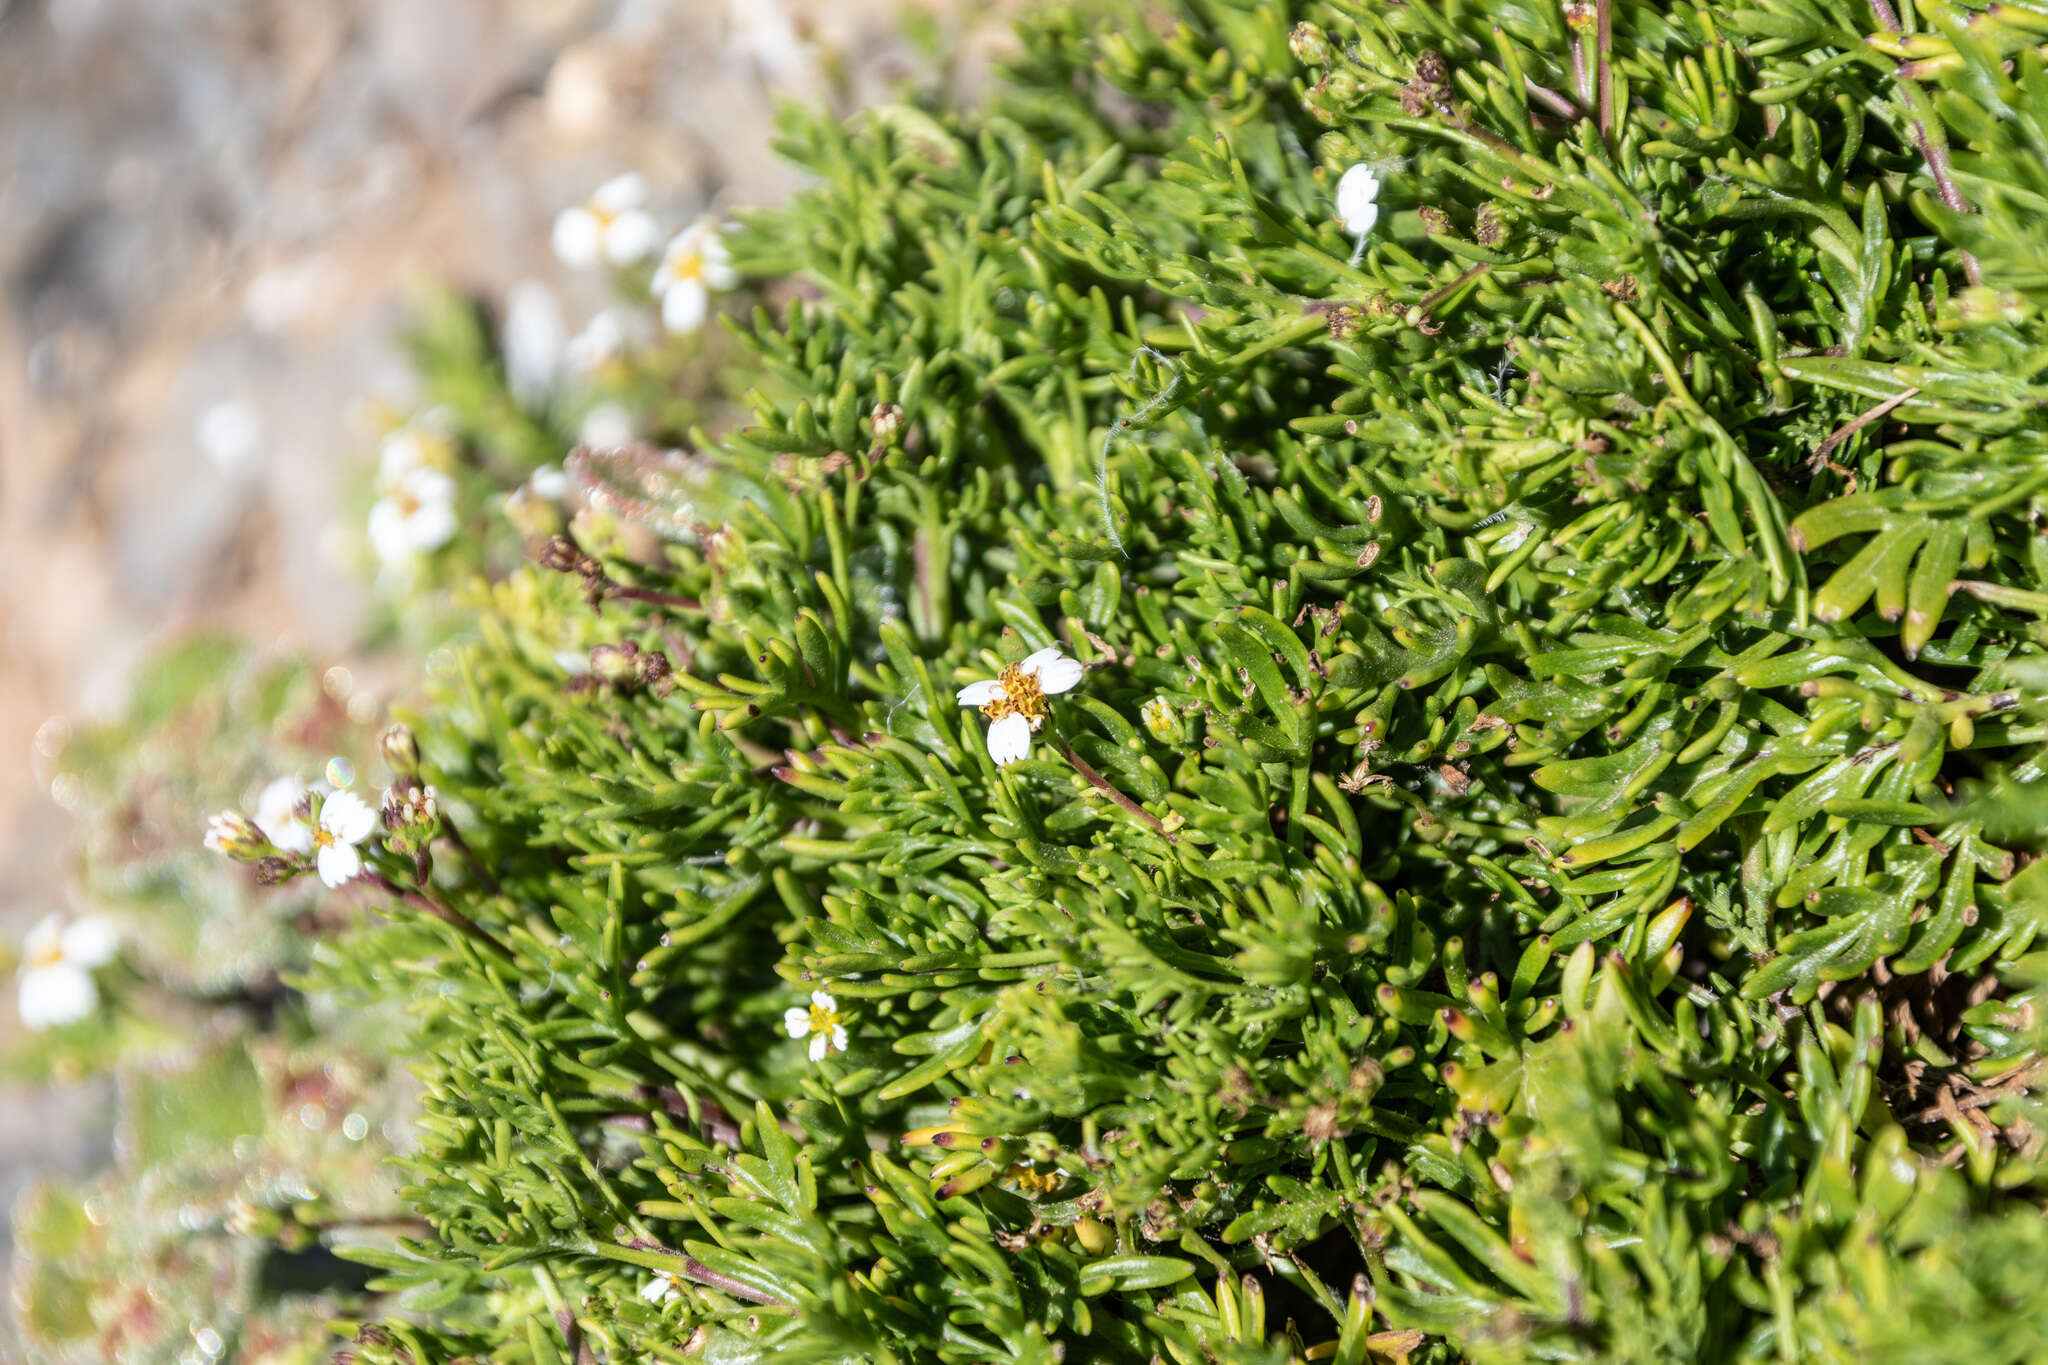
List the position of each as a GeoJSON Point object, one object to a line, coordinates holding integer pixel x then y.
{"type": "Point", "coordinates": [298, 826]}
{"type": "Point", "coordinates": [615, 228]}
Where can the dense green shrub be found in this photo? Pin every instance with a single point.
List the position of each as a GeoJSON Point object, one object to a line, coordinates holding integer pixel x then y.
{"type": "Point", "coordinates": [1541, 861]}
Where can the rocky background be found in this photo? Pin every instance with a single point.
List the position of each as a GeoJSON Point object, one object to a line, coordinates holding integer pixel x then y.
{"type": "Point", "coordinates": [212, 217]}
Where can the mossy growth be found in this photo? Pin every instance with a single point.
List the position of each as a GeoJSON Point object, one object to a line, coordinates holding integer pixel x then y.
{"type": "Point", "coordinates": [1541, 860]}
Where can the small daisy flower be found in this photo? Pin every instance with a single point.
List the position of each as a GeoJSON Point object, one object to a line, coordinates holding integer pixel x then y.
{"type": "Point", "coordinates": [1014, 701]}
{"type": "Point", "coordinates": [695, 264]}
{"type": "Point", "coordinates": [344, 820]}
{"type": "Point", "coordinates": [822, 1021]}
{"type": "Point", "coordinates": [660, 1289]}
{"type": "Point", "coordinates": [415, 515]}
{"type": "Point", "coordinates": [57, 965]}
{"type": "Point", "coordinates": [613, 228]}
{"type": "Point", "coordinates": [1358, 195]}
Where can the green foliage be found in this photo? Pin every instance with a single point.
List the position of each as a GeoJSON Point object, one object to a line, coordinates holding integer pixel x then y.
{"type": "Point", "coordinates": [1541, 863]}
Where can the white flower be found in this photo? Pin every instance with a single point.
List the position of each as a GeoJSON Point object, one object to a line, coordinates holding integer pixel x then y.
{"type": "Point", "coordinates": [660, 1289]}
{"type": "Point", "coordinates": [1358, 200]}
{"type": "Point", "coordinates": [612, 228]}
{"type": "Point", "coordinates": [605, 426]}
{"type": "Point", "coordinates": [345, 820]}
{"type": "Point", "coordinates": [415, 515]}
{"type": "Point", "coordinates": [822, 1021]}
{"type": "Point", "coordinates": [549, 482]}
{"type": "Point", "coordinates": [695, 264]}
{"type": "Point", "coordinates": [57, 964]}
{"type": "Point", "coordinates": [603, 337]}
{"type": "Point", "coordinates": [279, 816]}
{"type": "Point", "coordinates": [1015, 701]}
{"type": "Point", "coordinates": [533, 341]}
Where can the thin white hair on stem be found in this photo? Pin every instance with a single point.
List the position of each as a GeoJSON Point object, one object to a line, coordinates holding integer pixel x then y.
{"type": "Point", "coordinates": [1124, 424]}
{"type": "Point", "coordinates": [1358, 248]}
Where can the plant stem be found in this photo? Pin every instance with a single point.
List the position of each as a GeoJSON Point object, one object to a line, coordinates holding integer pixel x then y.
{"type": "Point", "coordinates": [1603, 33]}
{"type": "Point", "coordinates": [446, 914]}
{"type": "Point", "coordinates": [469, 858]}
{"type": "Point", "coordinates": [1107, 788]}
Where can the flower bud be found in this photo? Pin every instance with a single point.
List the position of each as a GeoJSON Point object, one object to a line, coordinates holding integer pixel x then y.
{"type": "Point", "coordinates": [400, 749]}
{"type": "Point", "coordinates": [1309, 44]}
{"type": "Point", "coordinates": [1163, 721]}
{"type": "Point", "coordinates": [234, 834]}
{"type": "Point", "coordinates": [560, 554]}
{"type": "Point", "coordinates": [887, 423]}
{"type": "Point", "coordinates": [615, 664]}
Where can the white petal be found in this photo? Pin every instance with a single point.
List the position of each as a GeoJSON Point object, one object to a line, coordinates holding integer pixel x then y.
{"type": "Point", "coordinates": [578, 237]}
{"type": "Point", "coordinates": [797, 1020]}
{"type": "Point", "coordinates": [534, 338]}
{"type": "Point", "coordinates": [397, 456]}
{"type": "Point", "coordinates": [631, 237]}
{"type": "Point", "coordinates": [660, 1289]}
{"type": "Point", "coordinates": [339, 864]}
{"type": "Point", "coordinates": [277, 802]}
{"type": "Point", "coordinates": [980, 693]}
{"type": "Point", "coordinates": [549, 482]}
{"type": "Point", "coordinates": [839, 1037]}
{"type": "Point", "coordinates": [1357, 196]}
{"type": "Point", "coordinates": [389, 538]}
{"type": "Point", "coordinates": [92, 941]}
{"type": "Point", "coordinates": [820, 1044]}
{"type": "Point", "coordinates": [1056, 672]}
{"type": "Point", "coordinates": [45, 941]}
{"type": "Point", "coordinates": [823, 1000]}
{"type": "Point", "coordinates": [348, 817]}
{"type": "Point", "coordinates": [1009, 739]}
{"type": "Point", "coordinates": [720, 276]}
{"type": "Point", "coordinates": [56, 995]}
{"type": "Point", "coordinates": [621, 192]}
{"type": "Point", "coordinates": [684, 306]}
{"type": "Point", "coordinates": [431, 527]}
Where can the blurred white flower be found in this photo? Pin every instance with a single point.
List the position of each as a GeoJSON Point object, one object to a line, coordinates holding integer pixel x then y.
{"type": "Point", "coordinates": [345, 820]}
{"type": "Point", "coordinates": [605, 426]}
{"type": "Point", "coordinates": [762, 30]}
{"type": "Point", "coordinates": [415, 515]}
{"type": "Point", "coordinates": [57, 965]}
{"type": "Point", "coordinates": [230, 435]}
{"type": "Point", "coordinates": [660, 1289]}
{"type": "Point", "coordinates": [612, 228]}
{"type": "Point", "coordinates": [822, 1021]}
{"type": "Point", "coordinates": [550, 482]}
{"type": "Point", "coordinates": [281, 818]}
{"type": "Point", "coordinates": [533, 341]}
{"type": "Point", "coordinates": [603, 337]}
{"type": "Point", "coordinates": [695, 265]}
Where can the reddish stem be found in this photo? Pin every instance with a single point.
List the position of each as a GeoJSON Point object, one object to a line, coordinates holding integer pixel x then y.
{"type": "Point", "coordinates": [1103, 785]}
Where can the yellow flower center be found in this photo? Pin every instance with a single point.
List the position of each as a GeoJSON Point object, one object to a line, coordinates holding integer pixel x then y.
{"type": "Point", "coordinates": [688, 265]}
{"type": "Point", "coordinates": [1029, 1180]}
{"type": "Point", "coordinates": [1022, 696]}
{"type": "Point", "coordinates": [48, 955]}
{"type": "Point", "coordinates": [823, 1020]}
{"type": "Point", "coordinates": [321, 838]}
